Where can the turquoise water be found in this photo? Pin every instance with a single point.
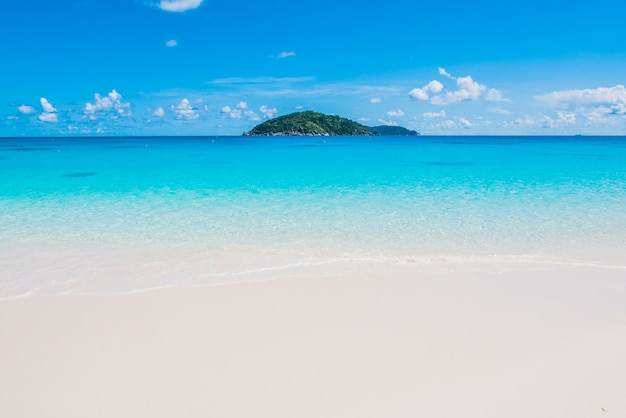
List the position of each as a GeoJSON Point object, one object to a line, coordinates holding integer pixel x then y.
{"type": "Point", "coordinates": [132, 213]}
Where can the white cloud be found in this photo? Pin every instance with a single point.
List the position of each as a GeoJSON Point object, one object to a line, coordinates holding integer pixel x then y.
{"type": "Point", "coordinates": [500, 111]}
{"type": "Point", "coordinates": [566, 117]}
{"type": "Point", "coordinates": [159, 112]}
{"type": "Point", "coordinates": [540, 121]}
{"type": "Point", "coordinates": [599, 105]}
{"type": "Point", "coordinates": [375, 100]}
{"type": "Point", "coordinates": [185, 110]}
{"type": "Point", "coordinates": [178, 5]}
{"type": "Point", "coordinates": [109, 105]}
{"type": "Point", "coordinates": [363, 120]}
{"type": "Point", "coordinates": [466, 89]}
{"type": "Point", "coordinates": [26, 110]}
{"type": "Point", "coordinates": [600, 95]}
{"type": "Point", "coordinates": [448, 124]}
{"type": "Point", "coordinates": [171, 43]}
{"type": "Point", "coordinates": [115, 96]}
{"type": "Point", "coordinates": [443, 72]}
{"type": "Point", "coordinates": [48, 117]}
{"type": "Point", "coordinates": [286, 54]}
{"type": "Point", "coordinates": [46, 106]}
{"type": "Point", "coordinates": [232, 113]}
{"type": "Point", "coordinates": [395, 113]}
{"type": "Point", "coordinates": [49, 112]}
{"type": "Point", "coordinates": [494, 95]}
{"type": "Point", "coordinates": [433, 86]}
{"type": "Point", "coordinates": [242, 105]}
{"type": "Point", "coordinates": [602, 114]}
{"type": "Point", "coordinates": [388, 122]}
{"type": "Point", "coordinates": [268, 112]}
{"type": "Point", "coordinates": [418, 94]}
{"type": "Point", "coordinates": [431, 115]}
{"type": "Point", "coordinates": [252, 115]}
{"type": "Point", "coordinates": [526, 120]}
{"type": "Point", "coordinates": [465, 123]}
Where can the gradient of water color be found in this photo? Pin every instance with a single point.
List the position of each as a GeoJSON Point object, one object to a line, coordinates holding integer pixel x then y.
{"type": "Point", "coordinates": [123, 214]}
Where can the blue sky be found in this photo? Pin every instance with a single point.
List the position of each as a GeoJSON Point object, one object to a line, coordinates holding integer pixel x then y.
{"type": "Point", "coordinates": [209, 67]}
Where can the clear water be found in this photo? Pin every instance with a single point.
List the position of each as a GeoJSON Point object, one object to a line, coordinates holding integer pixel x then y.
{"type": "Point", "coordinates": [120, 214]}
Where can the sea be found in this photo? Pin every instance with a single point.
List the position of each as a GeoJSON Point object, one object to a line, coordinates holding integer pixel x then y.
{"type": "Point", "coordinates": [125, 214]}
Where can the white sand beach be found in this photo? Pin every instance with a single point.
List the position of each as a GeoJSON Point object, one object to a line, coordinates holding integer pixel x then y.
{"type": "Point", "coordinates": [544, 342]}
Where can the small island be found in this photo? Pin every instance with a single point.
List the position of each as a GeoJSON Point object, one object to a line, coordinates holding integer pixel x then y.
{"type": "Point", "coordinates": [310, 123]}
{"type": "Point", "coordinates": [391, 130]}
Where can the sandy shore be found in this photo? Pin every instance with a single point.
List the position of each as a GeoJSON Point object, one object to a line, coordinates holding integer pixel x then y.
{"type": "Point", "coordinates": [544, 343]}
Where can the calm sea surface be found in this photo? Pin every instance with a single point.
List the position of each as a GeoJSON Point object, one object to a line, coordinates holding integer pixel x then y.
{"type": "Point", "coordinates": [119, 214]}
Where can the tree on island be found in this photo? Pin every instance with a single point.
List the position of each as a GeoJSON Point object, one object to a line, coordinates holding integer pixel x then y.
{"type": "Point", "coordinates": [309, 123]}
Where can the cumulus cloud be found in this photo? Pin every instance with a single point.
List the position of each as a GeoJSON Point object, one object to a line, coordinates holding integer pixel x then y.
{"type": "Point", "coordinates": [453, 124]}
{"type": "Point", "coordinates": [418, 94]}
{"type": "Point", "coordinates": [26, 110]}
{"type": "Point", "coordinates": [171, 43]}
{"type": "Point", "coordinates": [443, 72]}
{"type": "Point", "coordinates": [448, 124]}
{"type": "Point", "coordinates": [184, 110]}
{"type": "Point", "coordinates": [232, 113]}
{"type": "Point", "coordinates": [48, 117]}
{"type": "Point", "coordinates": [179, 5]}
{"type": "Point", "coordinates": [601, 95]}
{"type": "Point", "coordinates": [236, 112]}
{"type": "Point", "coordinates": [387, 122]}
{"type": "Point", "coordinates": [268, 112]}
{"type": "Point", "coordinates": [537, 121]}
{"type": "Point", "coordinates": [109, 105]}
{"type": "Point", "coordinates": [466, 89]}
{"type": "Point", "coordinates": [566, 117]}
{"type": "Point", "coordinates": [494, 95]}
{"type": "Point", "coordinates": [395, 113]}
{"type": "Point", "coordinates": [49, 112]}
{"type": "Point", "coordinates": [433, 86]}
{"type": "Point", "coordinates": [432, 115]}
{"type": "Point", "coordinates": [252, 115]}
{"type": "Point", "coordinates": [286, 54]}
{"type": "Point", "coordinates": [563, 119]}
{"type": "Point", "coordinates": [375, 100]}
{"type": "Point", "coordinates": [597, 105]}
{"type": "Point", "coordinates": [465, 123]}
{"type": "Point", "coordinates": [159, 112]}
{"type": "Point", "coordinates": [46, 105]}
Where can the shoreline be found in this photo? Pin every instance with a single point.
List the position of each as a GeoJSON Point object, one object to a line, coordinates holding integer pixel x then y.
{"type": "Point", "coordinates": [42, 268]}
{"type": "Point", "coordinates": [471, 343]}
{"type": "Point", "coordinates": [90, 271]}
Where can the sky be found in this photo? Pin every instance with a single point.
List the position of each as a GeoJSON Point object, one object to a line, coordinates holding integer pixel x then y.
{"type": "Point", "coordinates": [211, 67]}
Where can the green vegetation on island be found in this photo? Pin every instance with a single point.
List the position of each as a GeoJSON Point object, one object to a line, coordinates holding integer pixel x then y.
{"type": "Point", "coordinates": [387, 130]}
{"type": "Point", "coordinates": [309, 123]}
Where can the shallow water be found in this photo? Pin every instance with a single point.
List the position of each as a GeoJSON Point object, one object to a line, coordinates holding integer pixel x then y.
{"type": "Point", "coordinates": [119, 214]}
